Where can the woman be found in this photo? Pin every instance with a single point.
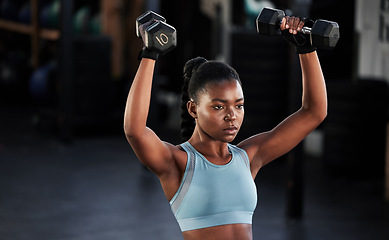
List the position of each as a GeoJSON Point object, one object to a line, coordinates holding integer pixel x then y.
{"type": "Point", "coordinates": [208, 181]}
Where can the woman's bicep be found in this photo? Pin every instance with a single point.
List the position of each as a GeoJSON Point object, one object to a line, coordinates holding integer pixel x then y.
{"type": "Point", "coordinates": [265, 147]}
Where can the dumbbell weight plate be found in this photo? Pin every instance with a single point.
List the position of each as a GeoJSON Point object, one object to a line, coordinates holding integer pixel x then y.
{"type": "Point", "coordinates": [325, 34]}
{"type": "Point", "coordinates": [144, 18]}
{"type": "Point", "coordinates": [161, 37]}
{"type": "Point", "coordinates": [269, 20]}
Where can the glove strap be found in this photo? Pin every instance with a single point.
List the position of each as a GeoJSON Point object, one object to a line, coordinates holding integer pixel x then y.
{"type": "Point", "coordinates": [147, 53]}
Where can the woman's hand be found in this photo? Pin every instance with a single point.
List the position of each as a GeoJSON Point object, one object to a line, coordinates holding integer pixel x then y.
{"type": "Point", "coordinates": [294, 24]}
{"type": "Point", "coordinates": [290, 28]}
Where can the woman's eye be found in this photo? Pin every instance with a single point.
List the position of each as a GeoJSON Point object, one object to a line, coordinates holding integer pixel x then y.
{"type": "Point", "coordinates": [240, 106]}
{"type": "Point", "coordinates": [218, 107]}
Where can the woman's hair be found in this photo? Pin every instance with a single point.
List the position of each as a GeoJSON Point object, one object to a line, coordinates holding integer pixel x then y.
{"type": "Point", "coordinates": [198, 72]}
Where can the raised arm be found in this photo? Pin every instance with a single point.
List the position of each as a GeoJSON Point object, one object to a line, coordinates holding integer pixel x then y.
{"type": "Point", "coordinates": [265, 147]}
{"type": "Point", "coordinates": [151, 151]}
{"type": "Point", "coordinates": [138, 101]}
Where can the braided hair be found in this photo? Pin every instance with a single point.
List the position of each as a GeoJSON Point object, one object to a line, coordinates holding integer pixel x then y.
{"type": "Point", "coordinates": [198, 72]}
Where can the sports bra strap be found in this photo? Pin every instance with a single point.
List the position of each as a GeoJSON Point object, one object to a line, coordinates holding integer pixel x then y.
{"type": "Point", "coordinates": [187, 179]}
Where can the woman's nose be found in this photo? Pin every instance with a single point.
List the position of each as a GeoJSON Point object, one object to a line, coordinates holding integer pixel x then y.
{"type": "Point", "coordinates": [230, 116]}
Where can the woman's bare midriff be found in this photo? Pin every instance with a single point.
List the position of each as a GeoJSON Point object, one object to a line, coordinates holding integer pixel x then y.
{"type": "Point", "coordinates": [224, 232]}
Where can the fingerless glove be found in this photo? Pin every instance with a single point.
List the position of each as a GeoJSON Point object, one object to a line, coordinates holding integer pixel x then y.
{"type": "Point", "coordinates": [147, 53]}
{"type": "Point", "coordinates": [301, 41]}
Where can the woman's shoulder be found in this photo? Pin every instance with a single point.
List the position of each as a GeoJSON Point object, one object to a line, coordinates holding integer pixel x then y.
{"type": "Point", "coordinates": [174, 147]}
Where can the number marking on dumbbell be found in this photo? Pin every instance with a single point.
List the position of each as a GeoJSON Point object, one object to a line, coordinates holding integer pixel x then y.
{"type": "Point", "coordinates": [163, 39]}
{"type": "Point", "coordinates": [158, 35]}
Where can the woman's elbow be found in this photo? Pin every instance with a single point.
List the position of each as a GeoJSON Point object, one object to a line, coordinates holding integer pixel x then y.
{"type": "Point", "coordinates": [317, 114]}
{"type": "Point", "coordinates": [130, 132]}
{"type": "Point", "coordinates": [321, 114]}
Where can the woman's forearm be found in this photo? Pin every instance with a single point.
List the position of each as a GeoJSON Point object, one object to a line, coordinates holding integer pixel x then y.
{"type": "Point", "coordinates": [314, 89]}
{"type": "Point", "coordinates": [138, 101]}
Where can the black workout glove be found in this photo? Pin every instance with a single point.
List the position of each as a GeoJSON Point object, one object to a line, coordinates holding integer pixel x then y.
{"type": "Point", "coordinates": [301, 41]}
{"type": "Point", "coordinates": [145, 52]}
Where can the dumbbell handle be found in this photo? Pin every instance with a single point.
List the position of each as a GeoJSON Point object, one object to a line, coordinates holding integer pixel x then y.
{"type": "Point", "coordinates": [304, 29]}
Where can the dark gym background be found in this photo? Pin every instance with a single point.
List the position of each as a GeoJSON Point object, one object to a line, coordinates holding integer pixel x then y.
{"type": "Point", "coordinates": [67, 172]}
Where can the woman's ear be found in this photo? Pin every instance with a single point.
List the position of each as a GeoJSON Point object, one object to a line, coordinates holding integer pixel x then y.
{"type": "Point", "coordinates": [192, 108]}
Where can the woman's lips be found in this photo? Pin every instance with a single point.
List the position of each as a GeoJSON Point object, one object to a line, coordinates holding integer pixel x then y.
{"type": "Point", "coordinates": [231, 130]}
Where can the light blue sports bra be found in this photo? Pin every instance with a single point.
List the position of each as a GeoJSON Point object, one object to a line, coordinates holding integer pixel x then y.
{"type": "Point", "coordinates": [213, 195]}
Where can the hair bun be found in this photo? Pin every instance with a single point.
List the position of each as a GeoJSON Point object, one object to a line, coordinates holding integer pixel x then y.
{"type": "Point", "coordinates": [191, 66]}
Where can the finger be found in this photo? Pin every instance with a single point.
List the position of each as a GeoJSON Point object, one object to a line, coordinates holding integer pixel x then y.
{"type": "Point", "coordinates": [286, 22]}
{"type": "Point", "coordinates": [296, 24]}
{"type": "Point", "coordinates": [291, 24]}
{"type": "Point", "coordinates": [283, 24]}
{"type": "Point", "coordinates": [300, 25]}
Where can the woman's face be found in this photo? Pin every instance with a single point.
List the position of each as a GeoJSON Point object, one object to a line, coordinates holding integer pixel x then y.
{"type": "Point", "coordinates": [220, 110]}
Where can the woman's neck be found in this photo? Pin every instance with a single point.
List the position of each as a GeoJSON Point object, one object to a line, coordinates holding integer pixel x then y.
{"type": "Point", "coordinates": [215, 151]}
